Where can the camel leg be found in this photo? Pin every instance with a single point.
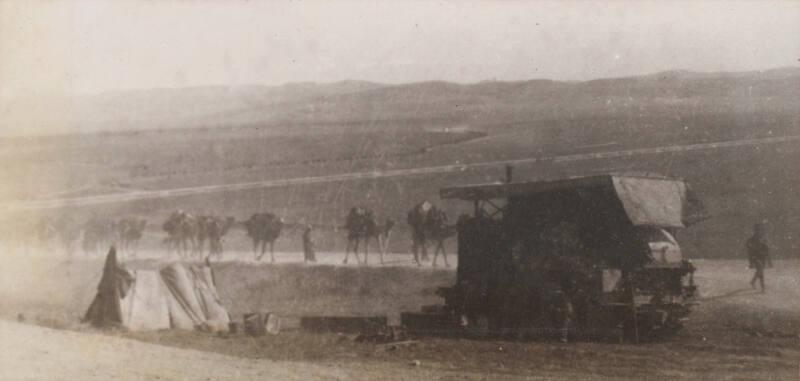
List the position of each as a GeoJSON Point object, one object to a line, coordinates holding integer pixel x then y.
{"type": "Point", "coordinates": [386, 244]}
{"type": "Point", "coordinates": [366, 250]}
{"type": "Point", "coordinates": [355, 250]}
{"type": "Point", "coordinates": [380, 247]}
{"type": "Point", "coordinates": [365, 253]}
{"type": "Point", "coordinates": [181, 246]}
{"type": "Point", "coordinates": [186, 248]}
{"type": "Point", "coordinates": [272, 251]}
{"type": "Point", "coordinates": [263, 249]}
{"type": "Point", "coordinates": [440, 248]}
{"type": "Point", "coordinates": [416, 250]}
{"type": "Point", "coordinates": [346, 252]}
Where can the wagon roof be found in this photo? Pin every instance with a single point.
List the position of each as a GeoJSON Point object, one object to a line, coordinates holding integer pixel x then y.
{"type": "Point", "coordinates": [648, 200]}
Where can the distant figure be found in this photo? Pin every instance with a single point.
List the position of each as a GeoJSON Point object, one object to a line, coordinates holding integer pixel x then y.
{"type": "Point", "coordinates": [308, 246]}
{"type": "Point", "coordinates": [758, 254]}
{"type": "Point", "coordinates": [418, 219]}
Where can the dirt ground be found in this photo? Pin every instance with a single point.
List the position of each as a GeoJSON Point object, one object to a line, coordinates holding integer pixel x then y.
{"type": "Point", "coordinates": [734, 333]}
{"type": "Point", "coordinates": [38, 353]}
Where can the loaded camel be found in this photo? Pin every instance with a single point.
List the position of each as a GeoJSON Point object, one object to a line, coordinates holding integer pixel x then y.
{"type": "Point", "coordinates": [181, 229]}
{"type": "Point", "coordinates": [361, 227]}
{"type": "Point", "coordinates": [263, 229]}
{"type": "Point", "coordinates": [214, 230]}
{"type": "Point", "coordinates": [98, 234]}
{"type": "Point", "coordinates": [429, 224]}
{"type": "Point", "coordinates": [129, 232]}
{"type": "Point", "coordinates": [438, 231]}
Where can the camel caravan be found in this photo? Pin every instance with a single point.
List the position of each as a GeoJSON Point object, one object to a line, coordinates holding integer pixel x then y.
{"type": "Point", "coordinates": [195, 236]}
{"type": "Point", "coordinates": [187, 234]}
{"type": "Point", "coordinates": [428, 224]}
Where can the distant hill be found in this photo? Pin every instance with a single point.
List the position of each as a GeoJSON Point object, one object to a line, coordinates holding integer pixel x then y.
{"type": "Point", "coordinates": [482, 105]}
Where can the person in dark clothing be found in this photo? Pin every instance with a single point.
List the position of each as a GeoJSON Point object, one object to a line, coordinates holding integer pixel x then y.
{"type": "Point", "coordinates": [758, 255]}
{"type": "Point", "coordinates": [115, 283]}
{"type": "Point", "coordinates": [308, 246]}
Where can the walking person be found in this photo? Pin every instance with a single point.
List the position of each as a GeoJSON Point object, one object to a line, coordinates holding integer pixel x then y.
{"type": "Point", "coordinates": [308, 246]}
{"type": "Point", "coordinates": [758, 254]}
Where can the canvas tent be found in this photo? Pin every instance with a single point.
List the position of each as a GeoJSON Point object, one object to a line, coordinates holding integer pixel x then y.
{"type": "Point", "coordinates": [177, 296]}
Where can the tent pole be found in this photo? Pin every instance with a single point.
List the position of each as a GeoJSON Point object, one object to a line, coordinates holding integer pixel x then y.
{"type": "Point", "coordinates": [633, 309]}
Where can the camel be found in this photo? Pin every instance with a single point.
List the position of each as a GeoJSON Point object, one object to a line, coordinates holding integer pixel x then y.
{"type": "Point", "coordinates": [181, 229]}
{"type": "Point", "coordinates": [429, 225]}
{"type": "Point", "coordinates": [201, 233]}
{"type": "Point", "coordinates": [357, 223]}
{"type": "Point", "coordinates": [381, 233]}
{"type": "Point", "coordinates": [361, 226]}
{"type": "Point", "coordinates": [97, 234]}
{"type": "Point", "coordinates": [438, 231]}
{"type": "Point", "coordinates": [215, 229]}
{"type": "Point", "coordinates": [129, 231]}
{"type": "Point", "coordinates": [263, 229]}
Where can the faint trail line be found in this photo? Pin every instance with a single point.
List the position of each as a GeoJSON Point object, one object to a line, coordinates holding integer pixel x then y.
{"type": "Point", "coordinates": [177, 192]}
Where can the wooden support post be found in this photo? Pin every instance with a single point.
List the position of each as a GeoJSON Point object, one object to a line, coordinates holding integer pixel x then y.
{"type": "Point", "coordinates": [633, 309]}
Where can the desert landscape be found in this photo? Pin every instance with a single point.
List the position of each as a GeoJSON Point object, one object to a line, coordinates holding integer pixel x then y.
{"type": "Point", "coordinates": [249, 154]}
{"type": "Point", "coordinates": [746, 175]}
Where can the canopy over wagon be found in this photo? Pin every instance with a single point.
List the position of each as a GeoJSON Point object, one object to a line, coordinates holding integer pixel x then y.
{"type": "Point", "coordinates": [649, 200]}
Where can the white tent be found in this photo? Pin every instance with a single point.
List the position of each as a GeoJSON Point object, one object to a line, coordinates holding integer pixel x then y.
{"type": "Point", "coordinates": [178, 296]}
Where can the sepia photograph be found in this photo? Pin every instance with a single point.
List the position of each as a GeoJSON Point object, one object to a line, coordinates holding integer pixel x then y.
{"type": "Point", "coordinates": [399, 190]}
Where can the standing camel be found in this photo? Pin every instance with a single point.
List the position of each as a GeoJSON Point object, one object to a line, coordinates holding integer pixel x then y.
{"type": "Point", "coordinates": [130, 231]}
{"type": "Point", "coordinates": [357, 223]}
{"type": "Point", "coordinates": [215, 229]}
{"type": "Point", "coordinates": [361, 227]}
{"type": "Point", "coordinates": [98, 233]}
{"type": "Point", "coordinates": [263, 229]}
{"type": "Point", "coordinates": [181, 229]}
{"type": "Point", "coordinates": [437, 230]}
{"type": "Point", "coordinates": [381, 234]}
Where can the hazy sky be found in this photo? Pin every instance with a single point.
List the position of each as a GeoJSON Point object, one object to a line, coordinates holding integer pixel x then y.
{"type": "Point", "coordinates": [67, 47]}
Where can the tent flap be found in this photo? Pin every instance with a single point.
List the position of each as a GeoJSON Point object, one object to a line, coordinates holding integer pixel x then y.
{"type": "Point", "coordinates": [145, 305]}
{"type": "Point", "coordinates": [193, 297]}
{"type": "Point", "coordinates": [178, 296]}
{"type": "Point", "coordinates": [652, 202]}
